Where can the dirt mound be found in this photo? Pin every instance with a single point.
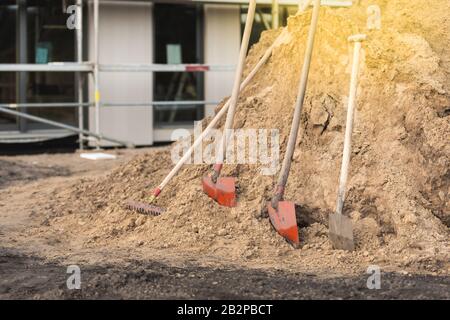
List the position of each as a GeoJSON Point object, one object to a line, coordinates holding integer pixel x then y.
{"type": "Point", "coordinates": [399, 182]}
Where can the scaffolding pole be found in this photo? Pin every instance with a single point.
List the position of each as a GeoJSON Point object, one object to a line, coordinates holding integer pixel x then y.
{"type": "Point", "coordinates": [327, 3]}
{"type": "Point", "coordinates": [159, 103]}
{"type": "Point", "coordinates": [65, 126]}
{"type": "Point", "coordinates": [22, 57]}
{"type": "Point", "coordinates": [79, 36]}
{"type": "Point", "coordinates": [155, 67]}
{"type": "Point", "coordinates": [49, 67]}
{"type": "Point", "coordinates": [46, 105]}
{"type": "Point", "coordinates": [96, 71]}
{"type": "Point", "coordinates": [275, 14]}
{"type": "Point", "coordinates": [106, 104]}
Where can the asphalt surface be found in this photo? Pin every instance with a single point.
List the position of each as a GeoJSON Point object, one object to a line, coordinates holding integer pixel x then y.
{"type": "Point", "coordinates": [26, 277]}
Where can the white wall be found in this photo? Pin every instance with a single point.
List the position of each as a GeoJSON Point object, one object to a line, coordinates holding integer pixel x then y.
{"type": "Point", "coordinates": [126, 37]}
{"type": "Point", "coordinates": [222, 41]}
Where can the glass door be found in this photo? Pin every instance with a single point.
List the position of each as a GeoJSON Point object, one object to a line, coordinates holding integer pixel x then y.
{"type": "Point", "coordinates": [178, 40]}
{"type": "Point", "coordinates": [49, 40]}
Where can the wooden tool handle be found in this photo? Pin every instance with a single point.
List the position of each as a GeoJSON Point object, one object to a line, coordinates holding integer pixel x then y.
{"type": "Point", "coordinates": [349, 126]}
{"type": "Point", "coordinates": [237, 81]}
{"type": "Point", "coordinates": [284, 173]}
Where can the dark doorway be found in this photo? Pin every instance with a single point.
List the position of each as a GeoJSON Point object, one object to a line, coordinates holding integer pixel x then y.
{"type": "Point", "coordinates": [178, 39]}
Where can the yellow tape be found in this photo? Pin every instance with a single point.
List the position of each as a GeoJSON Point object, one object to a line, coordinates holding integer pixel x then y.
{"type": "Point", "coordinates": [97, 96]}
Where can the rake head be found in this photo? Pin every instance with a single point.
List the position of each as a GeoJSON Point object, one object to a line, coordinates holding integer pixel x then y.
{"type": "Point", "coordinates": [144, 208]}
{"type": "Point", "coordinates": [223, 191]}
{"type": "Point", "coordinates": [284, 221]}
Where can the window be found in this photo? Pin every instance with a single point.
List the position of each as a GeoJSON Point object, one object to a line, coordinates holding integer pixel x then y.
{"type": "Point", "coordinates": [49, 40]}
{"type": "Point", "coordinates": [178, 39]}
{"type": "Point", "coordinates": [37, 31]}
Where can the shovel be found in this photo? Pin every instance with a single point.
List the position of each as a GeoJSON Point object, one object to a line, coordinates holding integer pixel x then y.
{"type": "Point", "coordinates": [282, 213]}
{"type": "Point", "coordinates": [223, 189]}
{"type": "Point", "coordinates": [340, 226]}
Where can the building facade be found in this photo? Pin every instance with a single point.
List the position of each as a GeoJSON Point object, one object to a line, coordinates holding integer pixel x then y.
{"type": "Point", "coordinates": [140, 106]}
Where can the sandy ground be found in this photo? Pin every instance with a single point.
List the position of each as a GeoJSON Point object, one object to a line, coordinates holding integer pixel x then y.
{"type": "Point", "coordinates": [33, 264]}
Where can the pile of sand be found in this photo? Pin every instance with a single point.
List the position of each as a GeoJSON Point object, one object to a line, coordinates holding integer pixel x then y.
{"type": "Point", "coordinates": [399, 186]}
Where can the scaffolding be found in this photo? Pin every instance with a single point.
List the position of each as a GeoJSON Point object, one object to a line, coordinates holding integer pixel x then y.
{"type": "Point", "coordinates": [93, 68]}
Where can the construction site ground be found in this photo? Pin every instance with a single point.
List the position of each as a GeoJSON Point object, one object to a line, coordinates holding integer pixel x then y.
{"type": "Point", "coordinates": [34, 255]}
{"type": "Point", "coordinates": [58, 210]}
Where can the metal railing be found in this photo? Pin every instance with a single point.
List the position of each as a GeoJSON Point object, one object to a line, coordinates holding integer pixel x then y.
{"type": "Point", "coordinates": [65, 126]}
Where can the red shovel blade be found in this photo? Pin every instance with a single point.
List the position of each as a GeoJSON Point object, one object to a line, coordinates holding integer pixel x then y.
{"type": "Point", "coordinates": [284, 221]}
{"type": "Point", "coordinates": [224, 191]}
